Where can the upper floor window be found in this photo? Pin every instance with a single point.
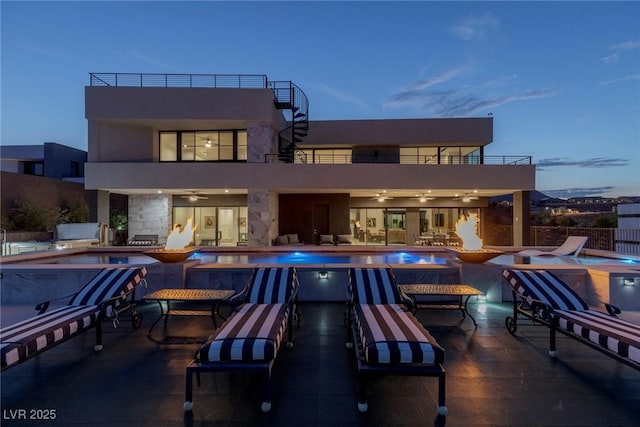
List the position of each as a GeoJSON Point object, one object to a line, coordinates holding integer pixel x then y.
{"type": "Point", "coordinates": [190, 146]}
{"type": "Point", "coordinates": [440, 155]}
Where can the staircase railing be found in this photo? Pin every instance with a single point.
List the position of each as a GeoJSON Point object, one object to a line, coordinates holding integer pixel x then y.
{"type": "Point", "coordinates": [289, 97]}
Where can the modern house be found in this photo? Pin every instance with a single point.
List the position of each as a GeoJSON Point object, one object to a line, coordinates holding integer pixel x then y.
{"type": "Point", "coordinates": [51, 160]}
{"type": "Point", "coordinates": [241, 156]}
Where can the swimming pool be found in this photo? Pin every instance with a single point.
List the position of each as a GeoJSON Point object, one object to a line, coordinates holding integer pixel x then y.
{"type": "Point", "coordinates": [302, 258]}
{"type": "Point", "coordinates": [295, 258]}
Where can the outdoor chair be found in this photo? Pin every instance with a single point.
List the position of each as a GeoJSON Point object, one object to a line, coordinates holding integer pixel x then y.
{"type": "Point", "coordinates": [544, 298]}
{"type": "Point", "coordinates": [571, 247]}
{"type": "Point", "coordinates": [386, 336]}
{"type": "Point", "coordinates": [109, 293]}
{"type": "Point", "coordinates": [250, 338]}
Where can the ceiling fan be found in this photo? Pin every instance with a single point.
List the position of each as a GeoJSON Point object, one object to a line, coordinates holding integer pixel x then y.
{"type": "Point", "coordinates": [422, 198]}
{"type": "Point", "coordinates": [381, 197]}
{"type": "Point", "coordinates": [193, 197]}
{"type": "Point", "coordinates": [466, 198]}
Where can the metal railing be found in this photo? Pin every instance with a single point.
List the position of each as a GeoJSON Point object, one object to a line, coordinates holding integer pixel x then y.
{"type": "Point", "coordinates": [335, 159]}
{"type": "Point", "coordinates": [620, 240]}
{"type": "Point", "coordinates": [255, 81]}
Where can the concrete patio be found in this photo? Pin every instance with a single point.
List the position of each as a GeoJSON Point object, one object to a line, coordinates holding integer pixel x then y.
{"type": "Point", "coordinates": [493, 378]}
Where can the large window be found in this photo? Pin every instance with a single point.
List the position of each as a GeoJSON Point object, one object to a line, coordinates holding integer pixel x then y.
{"type": "Point", "coordinates": [33, 168]}
{"type": "Point", "coordinates": [208, 146]}
{"type": "Point", "coordinates": [215, 226]}
{"type": "Point", "coordinates": [440, 155]}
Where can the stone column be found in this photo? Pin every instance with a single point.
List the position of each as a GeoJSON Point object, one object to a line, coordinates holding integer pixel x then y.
{"type": "Point", "coordinates": [413, 225]}
{"type": "Point", "coordinates": [521, 216]}
{"type": "Point", "coordinates": [262, 207]}
{"type": "Point", "coordinates": [150, 214]}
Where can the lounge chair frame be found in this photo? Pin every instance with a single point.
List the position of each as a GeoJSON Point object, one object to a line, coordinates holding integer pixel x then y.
{"type": "Point", "coordinates": [263, 368]}
{"type": "Point", "coordinates": [93, 315]}
{"type": "Point", "coordinates": [367, 371]}
{"type": "Point", "coordinates": [543, 314]}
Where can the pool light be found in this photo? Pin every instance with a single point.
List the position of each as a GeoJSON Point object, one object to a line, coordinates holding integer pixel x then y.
{"type": "Point", "coordinates": [323, 274]}
{"type": "Point", "coordinates": [628, 282]}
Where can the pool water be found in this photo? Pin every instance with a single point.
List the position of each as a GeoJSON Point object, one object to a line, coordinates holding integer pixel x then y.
{"type": "Point", "coordinates": [124, 259]}
{"type": "Point", "coordinates": [257, 258]}
{"type": "Point", "coordinates": [318, 258]}
{"type": "Point", "coordinates": [303, 258]}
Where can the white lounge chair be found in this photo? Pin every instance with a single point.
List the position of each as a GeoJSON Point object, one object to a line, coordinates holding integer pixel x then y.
{"type": "Point", "coordinates": [572, 247]}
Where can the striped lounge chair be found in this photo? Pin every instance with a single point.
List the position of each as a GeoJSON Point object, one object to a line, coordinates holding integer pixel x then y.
{"type": "Point", "coordinates": [543, 297]}
{"type": "Point", "coordinates": [103, 297]}
{"type": "Point", "coordinates": [250, 338]}
{"type": "Point", "coordinates": [387, 336]}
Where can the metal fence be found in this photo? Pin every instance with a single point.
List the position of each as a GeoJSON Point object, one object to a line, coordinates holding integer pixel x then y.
{"type": "Point", "coordinates": [620, 240]}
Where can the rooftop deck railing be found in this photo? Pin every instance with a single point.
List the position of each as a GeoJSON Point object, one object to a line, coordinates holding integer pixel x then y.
{"type": "Point", "coordinates": [335, 159]}
{"type": "Point", "coordinates": [255, 81]}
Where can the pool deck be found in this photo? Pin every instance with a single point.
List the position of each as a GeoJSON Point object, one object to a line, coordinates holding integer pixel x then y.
{"type": "Point", "coordinates": [493, 379]}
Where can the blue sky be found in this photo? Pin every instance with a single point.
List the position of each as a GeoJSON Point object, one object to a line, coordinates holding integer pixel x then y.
{"type": "Point", "coordinates": [562, 79]}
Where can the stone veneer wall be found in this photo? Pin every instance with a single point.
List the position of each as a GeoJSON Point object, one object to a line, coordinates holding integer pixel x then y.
{"type": "Point", "coordinates": [263, 217]}
{"type": "Point", "coordinates": [262, 204]}
{"type": "Point", "coordinates": [150, 214]}
{"type": "Point", "coordinates": [261, 139]}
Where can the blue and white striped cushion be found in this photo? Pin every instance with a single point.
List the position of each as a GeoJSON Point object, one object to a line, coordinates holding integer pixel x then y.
{"type": "Point", "coordinates": [272, 285]}
{"type": "Point", "coordinates": [24, 339]}
{"type": "Point", "coordinates": [373, 286]}
{"type": "Point", "coordinates": [609, 332]}
{"type": "Point", "coordinates": [391, 335]}
{"type": "Point", "coordinates": [109, 283]}
{"type": "Point", "coordinates": [252, 333]}
{"type": "Point", "coordinates": [546, 287]}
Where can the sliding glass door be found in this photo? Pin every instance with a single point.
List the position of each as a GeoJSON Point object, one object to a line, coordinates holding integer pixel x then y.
{"type": "Point", "coordinates": [215, 226]}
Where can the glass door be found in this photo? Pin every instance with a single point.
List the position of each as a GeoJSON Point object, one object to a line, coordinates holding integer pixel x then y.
{"type": "Point", "coordinates": [396, 225]}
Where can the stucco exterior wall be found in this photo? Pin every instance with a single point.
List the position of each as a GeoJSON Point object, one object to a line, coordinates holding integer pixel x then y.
{"type": "Point", "coordinates": [455, 131]}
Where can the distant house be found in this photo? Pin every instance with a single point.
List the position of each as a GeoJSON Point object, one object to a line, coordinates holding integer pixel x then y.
{"type": "Point", "coordinates": [50, 175]}
{"type": "Point", "coordinates": [51, 160]}
{"type": "Point", "coordinates": [628, 231]}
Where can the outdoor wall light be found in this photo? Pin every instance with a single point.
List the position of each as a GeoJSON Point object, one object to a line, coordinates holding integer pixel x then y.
{"type": "Point", "coordinates": [628, 282]}
{"type": "Point", "coordinates": [323, 274]}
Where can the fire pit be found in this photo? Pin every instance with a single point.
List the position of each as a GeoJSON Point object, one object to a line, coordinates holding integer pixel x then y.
{"type": "Point", "coordinates": [176, 249]}
{"type": "Point", "coordinates": [476, 256]}
{"type": "Point", "coordinates": [171, 255]}
{"type": "Point", "coordinates": [472, 251]}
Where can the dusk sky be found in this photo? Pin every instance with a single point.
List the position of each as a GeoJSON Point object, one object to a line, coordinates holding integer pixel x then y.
{"type": "Point", "coordinates": [561, 79]}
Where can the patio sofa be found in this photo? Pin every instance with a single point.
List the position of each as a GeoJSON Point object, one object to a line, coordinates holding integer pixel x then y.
{"type": "Point", "coordinates": [250, 338]}
{"type": "Point", "coordinates": [544, 298]}
{"type": "Point", "coordinates": [386, 336]}
{"type": "Point", "coordinates": [109, 293]}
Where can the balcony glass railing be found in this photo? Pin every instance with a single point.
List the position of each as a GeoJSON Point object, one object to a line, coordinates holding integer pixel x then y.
{"type": "Point", "coordinates": [336, 159]}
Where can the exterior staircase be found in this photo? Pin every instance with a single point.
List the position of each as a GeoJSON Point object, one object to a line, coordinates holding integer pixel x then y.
{"type": "Point", "coordinates": [291, 99]}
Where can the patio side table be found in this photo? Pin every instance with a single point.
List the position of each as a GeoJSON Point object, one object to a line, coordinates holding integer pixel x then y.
{"type": "Point", "coordinates": [212, 296]}
{"type": "Point", "coordinates": [459, 291]}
